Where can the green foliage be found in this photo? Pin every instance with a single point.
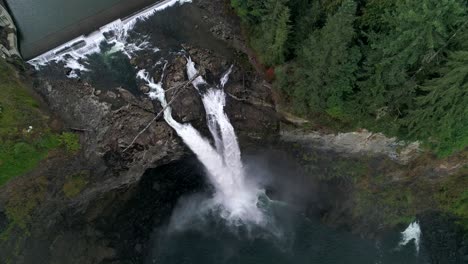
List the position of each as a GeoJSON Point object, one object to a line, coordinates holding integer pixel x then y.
{"type": "Point", "coordinates": [18, 110]}
{"type": "Point", "coordinates": [452, 196]}
{"type": "Point", "coordinates": [392, 66]}
{"type": "Point", "coordinates": [25, 138]}
{"type": "Point", "coordinates": [250, 11]}
{"type": "Point", "coordinates": [330, 6]}
{"type": "Point", "coordinates": [20, 207]}
{"type": "Point", "coordinates": [268, 21]}
{"type": "Point", "coordinates": [399, 203]}
{"type": "Point", "coordinates": [417, 30]}
{"type": "Point", "coordinates": [346, 170]}
{"type": "Point", "coordinates": [327, 65]}
{"type": "Point", "coordinates": [372, 18]}
{"type": "Point", "coordinates": [441, 114]}
{"type": "Point", "coordinates": [75, 184]}
{"type": "Point", "coordinates": [23, 155]}
{"type": "Point", "coordinates": [270, 36]}
{"type": "Point", "coordinates": [391, 206]}
{"type": "Point", "coordinates": [18, 158]}
{"type": "Point", "coordinates": [70, 141]}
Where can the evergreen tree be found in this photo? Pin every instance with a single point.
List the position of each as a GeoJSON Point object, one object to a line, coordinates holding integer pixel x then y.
{"type": "Point", "coordinates": [270, 37]}
{"type": "Point", "coordinates": [372, 18]}
{"type": "Point", "coordinates": [331, 6]}
{"type": "Point", "coordinates": [307, 21]}
{"type": "Point", "coordinates": [250, 11]}
{"type": "Point", "coordinates": [417, 29]}
{"type": "Point", "coordinates": [441, 115]}
{"type": "Point", "coordinates": [327, 64]}
{"type": "Point", "coordinates": [403, 72]}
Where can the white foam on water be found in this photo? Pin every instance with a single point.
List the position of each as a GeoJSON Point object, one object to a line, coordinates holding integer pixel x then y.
{"type": "Point", "coordinates": [79, 48]}
{"type": "Point", "coordinates": [411, 233]}
{"type": "Point", "coordinates": [192, 72]}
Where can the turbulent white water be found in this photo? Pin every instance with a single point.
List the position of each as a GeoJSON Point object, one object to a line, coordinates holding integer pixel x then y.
{"type": "Point", "coordinates": [235, 197]}
{"type": "Point", "coordinates": [412, 233]}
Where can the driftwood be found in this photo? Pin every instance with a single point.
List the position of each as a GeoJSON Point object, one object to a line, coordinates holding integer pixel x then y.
{"type": "Point", "coordinates": [175, 95]}
{"type": "Point", "coordinates": [81, 129]}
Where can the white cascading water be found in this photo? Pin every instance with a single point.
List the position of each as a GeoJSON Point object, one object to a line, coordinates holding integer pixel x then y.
{"type": "Point", "coordinates": [411, 233]}
{"type": "Point", "coordinates": [234, 196]}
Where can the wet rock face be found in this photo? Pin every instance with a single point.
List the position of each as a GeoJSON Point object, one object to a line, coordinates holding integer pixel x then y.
{"type": "Point", "coordinates": [187, 106]}
{"type": "Point", "coordinates": [249, 102]}
{"type": "Point", "coordinates": [120, 233]}
{"type": "Point", "coordinates": [3, 221]}
{"type": "Point", "coordinates": [357, 143]}
{"type": "Point", "coordinates": [155, 197]}
{"type": "Point", "coordinates": [444, 240]}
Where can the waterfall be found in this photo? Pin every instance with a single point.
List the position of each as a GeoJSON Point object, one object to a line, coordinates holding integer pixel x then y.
{"type": "Point", "coordinates": [234, 196]}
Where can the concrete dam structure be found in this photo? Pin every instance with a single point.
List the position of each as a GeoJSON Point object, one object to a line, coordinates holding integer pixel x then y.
{"type": "Point", "coordinates": [38, 33]}
{"type": "Point", "coordinates": [8, 33]}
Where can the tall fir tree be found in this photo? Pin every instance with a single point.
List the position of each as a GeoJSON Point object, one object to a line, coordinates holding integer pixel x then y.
{"type": "Point", "coordinates": [396, 66]}
{"type": "Point", "coordinates": [327, 64]}
{"type": "Point", "coordinates": [311, 18]}
{"type": "Point", "coordinates": [250, 11]}
{"type": "Point", "coordinates": [417, 29]}
{"type": "Point", "coordinates": [271, 35]}
{"type": "Point", "coordinates": [441, 113]}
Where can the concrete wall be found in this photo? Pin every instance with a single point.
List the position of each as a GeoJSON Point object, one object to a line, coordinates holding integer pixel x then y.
{"type": "Point", "coordinates": [82, 27]}
{"type": "Point", "coordinates": [7, 25]}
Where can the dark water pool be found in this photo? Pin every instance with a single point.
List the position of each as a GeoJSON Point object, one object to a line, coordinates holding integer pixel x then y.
{"type": "Point", "coordinates": [303, 240]}
{"type": "Point", "coordinates": [295, 234]}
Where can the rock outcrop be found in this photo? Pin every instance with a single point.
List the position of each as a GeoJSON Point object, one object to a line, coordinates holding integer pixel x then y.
{"type": "Point", "coordinates": [357, 143]}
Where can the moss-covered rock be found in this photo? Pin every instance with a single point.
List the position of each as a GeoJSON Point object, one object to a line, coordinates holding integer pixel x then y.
{"type": "Point", "coordinates": [25, 137]}
{"type": "Point", "coordinates": [376, 191]}
{"type": "Point", "coordinates": [75, 184]}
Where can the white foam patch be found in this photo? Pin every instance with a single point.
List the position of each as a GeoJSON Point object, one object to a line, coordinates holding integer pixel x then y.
{"type": "Point", "coordinates": [411, 233]}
